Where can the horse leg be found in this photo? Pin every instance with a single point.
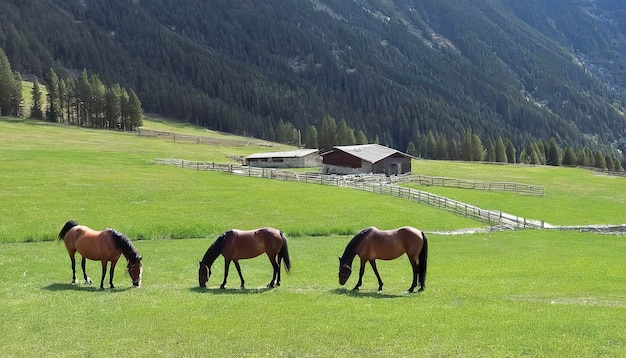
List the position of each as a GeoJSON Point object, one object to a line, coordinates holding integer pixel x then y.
{"type": "Point", "coordinates": [82, 265]}
{"type": "Point", "coordinates": [415, 272]}
{"type": "Point", "coordinates": [226, 266]}
{"type": "Point", "coordinates": [104, 271]}
{"type": "Point", "coordinates": [239, 272]}
{"type": "Point", "coordinates": [361, 271]}
{"type": "Point", "coordinates": [380, 282]}
{"type": "Point", "coordinates": [73, 259]}
{"type": "Point", "coordinates": [278, 276]}
{"type": "Point", "coordinates": [111, 271]}
{"type": "Point", "coordinates": [275, 274]}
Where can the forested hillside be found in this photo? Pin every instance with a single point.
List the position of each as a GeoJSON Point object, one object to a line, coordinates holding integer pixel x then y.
{"type": "Point", "coordinates": [395, 70]}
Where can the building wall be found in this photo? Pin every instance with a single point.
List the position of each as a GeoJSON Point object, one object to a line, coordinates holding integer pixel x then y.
{"type": "Point", "coordinates": [365, 167]}
{"type": "Point", "coordinates": [393, 165]}
{"type": "Point", "coordinates": [312, 160]}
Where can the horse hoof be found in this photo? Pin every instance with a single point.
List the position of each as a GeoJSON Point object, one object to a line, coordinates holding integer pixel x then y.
{"type": "Point", "coordinates": [222, 287]}
{"type": "Point", "coordinates": [102, 288]}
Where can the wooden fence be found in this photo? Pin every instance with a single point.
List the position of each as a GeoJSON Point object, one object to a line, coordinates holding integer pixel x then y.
{"type": "Point", "coordinates": [375, 183]}
{"type": "Point", "coordinates": [476, 185]}
{"type": "Point", "coordinates": [185, 138]}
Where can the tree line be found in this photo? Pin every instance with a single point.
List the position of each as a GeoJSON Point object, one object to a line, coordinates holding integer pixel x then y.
{"type": "Point", "coordinates": [469, 147]}
{"type": "Point", "coordinates": [84, 101]}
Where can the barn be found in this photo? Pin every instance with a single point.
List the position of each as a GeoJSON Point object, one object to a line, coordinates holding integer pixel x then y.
{"type": "Point", "coordinates": [367, 158]}
{"type": "Point", "coordinates": [300, 158]}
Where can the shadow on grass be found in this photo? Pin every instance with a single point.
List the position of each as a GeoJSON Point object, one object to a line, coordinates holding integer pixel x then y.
{"type": "Point", "coordinates": [360, 294]}
{"type": "Point", "coordinates": [231, 291]}
{"type": "Point", "coordinates": [81, 287]}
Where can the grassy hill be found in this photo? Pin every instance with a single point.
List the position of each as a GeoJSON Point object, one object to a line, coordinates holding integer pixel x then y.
{"type": "Point", "coordinates": [506, 293]}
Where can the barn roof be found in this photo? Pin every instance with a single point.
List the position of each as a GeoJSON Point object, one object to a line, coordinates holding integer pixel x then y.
{"type": "Point", "coordinates": [287, 154]}
{"type": "Point", "coordinates": [369, 152]}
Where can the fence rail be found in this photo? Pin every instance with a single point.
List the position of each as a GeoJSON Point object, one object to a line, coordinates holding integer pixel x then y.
{"type": "Point", "coordinates": [375, 183]}
{"type": "Point", "coordinates": [476, 185]}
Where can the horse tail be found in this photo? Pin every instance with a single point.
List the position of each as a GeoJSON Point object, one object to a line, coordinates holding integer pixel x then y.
{"type": "Point", "coordinates": [284, 253]}
{"type": "Point", "coordinates": [423, 260]}
{"type": "Point", "coordinates": [68, 225]}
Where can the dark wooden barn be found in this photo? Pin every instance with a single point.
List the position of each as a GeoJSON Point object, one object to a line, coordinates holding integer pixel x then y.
{"type": "Point", "coordinates": [367, 158]}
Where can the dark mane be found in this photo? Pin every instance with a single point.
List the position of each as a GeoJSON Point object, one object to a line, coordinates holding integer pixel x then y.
{"type": "Point", "coordinates": [127, 247]}
{"type": "Point", "coordinates": [215, 249]}
{"type": "Point", "coordinates": [68, 225]}
{"type": "Point", "coordinates": [350, 251]}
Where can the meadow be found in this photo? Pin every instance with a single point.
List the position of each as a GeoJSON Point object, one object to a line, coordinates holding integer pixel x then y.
{"type": "Point", "coordinates": [489, 294]}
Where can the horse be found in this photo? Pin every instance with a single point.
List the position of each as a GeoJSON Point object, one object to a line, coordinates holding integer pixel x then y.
{"type": "Point", "coordinates": [104, 246]}
{"type": "Point", "coordinates": [371, 244]}
{"type": "Point", "coordinates": [237, 245]}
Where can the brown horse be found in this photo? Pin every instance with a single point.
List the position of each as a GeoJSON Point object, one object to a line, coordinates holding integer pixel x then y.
{"type": "Point", "coordinates": [236, 245]}
{"type": "Point", "coordinates": [103, 246]}
{"type": "Point", "coordinates": [371, 244]}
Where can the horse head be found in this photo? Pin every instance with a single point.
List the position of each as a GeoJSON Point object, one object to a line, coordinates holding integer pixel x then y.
{"type": "Point", "coordinates": [134, 270]}
{"type": "Point", "coordinates": [344, 272]}
{"type": "Point", "coordinates": [204, 272]}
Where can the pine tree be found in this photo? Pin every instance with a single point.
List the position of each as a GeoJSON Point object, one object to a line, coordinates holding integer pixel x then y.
{"type": "Point", "coordinates": [553, 154]}
{"type": "Point", "coordinates": [112, 107]}
{"type": "Point", "coordinates": [500, 151]}
{"type": "Point", "coordinates": [83, 100]}
{"type": "Point", "coordinates": [568, 157]}
{"type": "Point", "coordinates": [609, 163]}
{"type": "Point", "coordinates": [477, 148]}
{"type": "Point", "coordinates": [599, 161]}
{"type": "Point", "coordinates": [310, 137]}
{"type": "Point", "coordinates": [511, 154]}
{"type": "Point", "coordinates": [581, 158]}
{"type": "Point", "coordinates": [360, 137]}
{"type": "Point", "coordinates": [135, 111]}
{"type": "Point", "coordinates": [328, 133]}
{"type": "Point", "coordinates": [430, 146]}
{"type": "Point", "coordinates": [52, 113]}
{"type": "Point", "coordinates": [16, 98]}
{"type": "Point", "coordinates": [36, 111]}
{"type": "Point", "coordinates": [345, 134]}
{"type": "Point", "coordinates": [411, 150]}
{"type": "Point", "coordinates": [7, 87]}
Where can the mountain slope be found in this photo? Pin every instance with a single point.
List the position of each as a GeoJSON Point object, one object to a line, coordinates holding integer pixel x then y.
{"type": "Point", "coordinates": [395, 69]}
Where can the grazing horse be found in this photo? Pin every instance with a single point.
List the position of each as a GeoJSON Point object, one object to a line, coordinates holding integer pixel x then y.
{"type": "Point", "coordinates": [371, 244]}
{"type": "Point", "coordinates": [104, 246]}
{"type": "Point", "coordinates": [236, 245]}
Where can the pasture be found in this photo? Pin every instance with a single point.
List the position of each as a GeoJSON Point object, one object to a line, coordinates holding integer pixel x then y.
{"type": "Point", "coordinates": [505, 294]}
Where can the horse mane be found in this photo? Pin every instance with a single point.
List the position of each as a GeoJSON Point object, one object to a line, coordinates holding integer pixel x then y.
{"type": "Point", "coordinates": [68, 225]}
{"type": "Point", "coordinates": [215, 249]}
{"type": "Point", "coordinates": [350, 251]}
{"type": "Point", "coordinates": [127, 247]}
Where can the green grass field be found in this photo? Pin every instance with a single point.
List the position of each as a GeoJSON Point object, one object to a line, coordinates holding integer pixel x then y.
{"type": "Point", "coordinates": [573, 196]}
{"type": "Point", "coordinates": [496, 294]}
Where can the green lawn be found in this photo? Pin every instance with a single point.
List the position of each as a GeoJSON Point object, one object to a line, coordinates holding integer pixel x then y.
{"type": "Point", "coordinates": [573, 196]}
{"type": "Point", "coordinates": [505, 294]}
